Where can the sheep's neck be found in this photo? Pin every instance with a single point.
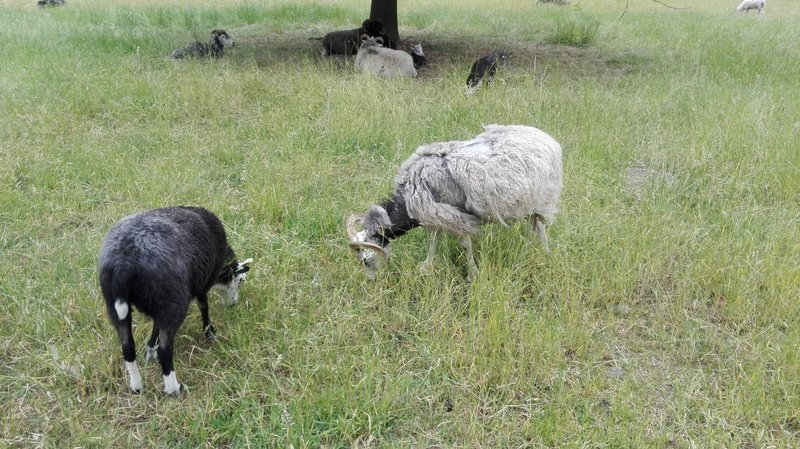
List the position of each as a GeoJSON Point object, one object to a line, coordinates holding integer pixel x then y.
{"type": "Point", "coordinates": [398, 215]}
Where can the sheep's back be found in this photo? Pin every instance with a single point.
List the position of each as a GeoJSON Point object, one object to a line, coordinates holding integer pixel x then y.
{"type": "Point", "coordinates": [509, 172]}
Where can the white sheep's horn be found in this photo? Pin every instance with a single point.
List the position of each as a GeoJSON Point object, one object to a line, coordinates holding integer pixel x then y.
{"type": "Point", "coordinates": [247, 261]}
{"type": "Point", "coordinates": [350, 225]}
{"type": "Point", "coordinates": [355, 244]}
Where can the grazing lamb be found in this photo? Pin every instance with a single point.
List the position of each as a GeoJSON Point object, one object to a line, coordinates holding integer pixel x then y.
{"type": "Point", "coordinates": [157, 261]}
{"type": "Point", "coordinates": [485, 66]}
{"type": "Point", "coordinates": [346, 42]}
{"type": "Point", "coordinates": [385, 62]}
{"type": "Point", "coordinates": [197, 49]}
{"type": "Point", "coordinates": [747, 5]}
{"type": "Point", "coordinates": [418, 56]}
{"type": "Point", "coordinates": [48, 3]}
{"type": "Point", "coordinates": [504, 173]}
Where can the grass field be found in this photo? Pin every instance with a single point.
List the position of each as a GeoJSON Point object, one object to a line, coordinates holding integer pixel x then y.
{"type": "Point", "coordinates": [665, 316]}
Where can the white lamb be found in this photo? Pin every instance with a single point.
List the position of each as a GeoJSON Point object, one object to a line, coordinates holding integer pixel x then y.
{"type": "Point", "coordinates": [747, 5]}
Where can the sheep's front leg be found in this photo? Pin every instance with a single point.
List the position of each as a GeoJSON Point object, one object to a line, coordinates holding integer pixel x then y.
{"type": "Point", "coordinates": [150, 352]}
{"type": "Point", "coordinates": [466, 242]}
{"type": "Point", "coordinates": [427, 265]}
{"type": "Point", "coordinates": [208, 329]}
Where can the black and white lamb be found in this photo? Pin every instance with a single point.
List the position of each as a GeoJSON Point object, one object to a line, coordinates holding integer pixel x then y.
{"type": "Point", "coordinates": [157, 261]}
{"type": "Point", "coordinates": [485, 67]}
{"type": "Point", "coordinates": [505, 173]}
{"type": "Point", "coordinates": [747, 5]}
{"type": "Point", "coordinates": [373, 58]}
{"type": "Point", "coordinates": [418, 56]}
{"type": "Point", "coordinates": [50, 3]}
{"type": "Point", "coordinates": [346, 42]}
{"type": "Point", "coordinates": [214, 48]}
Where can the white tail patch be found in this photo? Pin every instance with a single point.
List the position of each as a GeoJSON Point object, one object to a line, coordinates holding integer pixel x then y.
{"type": "Point", "coordinates": [122, 309]}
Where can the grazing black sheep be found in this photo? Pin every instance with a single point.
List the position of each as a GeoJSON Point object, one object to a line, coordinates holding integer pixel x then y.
{"type": "Point", "coordinates": [346, 42]}
{"type": "Point", "coordinates": [197, 49]}
{"type": "Point", "coordinates": [50, 3]}
{"type": "Point", "coordinates": [485, 66]}
{"type": "Point", "coordinates": [157, 261]}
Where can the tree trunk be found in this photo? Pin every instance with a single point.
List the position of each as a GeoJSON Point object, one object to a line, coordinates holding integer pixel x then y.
{"type": "Point", "coordinates": [386, 12]}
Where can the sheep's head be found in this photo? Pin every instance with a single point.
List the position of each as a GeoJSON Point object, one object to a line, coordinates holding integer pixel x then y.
{"type": "Point", "coordinates": [369, 41]}
{"type": "Point", "coordinates": [222, 37]}
{"type": "Point", "coordinates": [370, 244]}
{"type": "Point", "coordinates": [232, 277]}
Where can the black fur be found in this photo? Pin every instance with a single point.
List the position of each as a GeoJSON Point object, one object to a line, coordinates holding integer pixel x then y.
{"type": "Point", "coordinates": [400, 221]}
{"type": "Point", "coordinates": [418, 56]}
{"type": "Point", "coordinates": [157, 261]}
{"type": "Point", "coordinates": [346, 42]}
{"type": "Point", "coordinates": [214, 48]}
{"type": "Point", "coordinates": [485, 67]}
{"type": "Point", "coordinates": [48, 3]}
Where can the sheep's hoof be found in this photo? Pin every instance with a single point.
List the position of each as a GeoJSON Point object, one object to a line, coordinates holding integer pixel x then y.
{"type": "Point", "coordinates": [136, 391]}
{"type": "Point", "coordinates": [176, 393]}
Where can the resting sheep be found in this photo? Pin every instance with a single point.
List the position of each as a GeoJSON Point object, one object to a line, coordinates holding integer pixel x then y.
{"type": "Point", "coordinates": [418, 56]}
{"type": "Point", "coordinates": [505, 173]}
{"type": "Point", "coordinates": [157, 261]}
{"type": "Point", "coordinates": [747, 5]}
{"type": "Point", "coordinates": [48, 3]}
{"type": "Point", "coordinates": [346, 42]}
{"type": "Point", "coordinates": [373, 58]}
{"type": "Point", "coordinates": [197, 49]}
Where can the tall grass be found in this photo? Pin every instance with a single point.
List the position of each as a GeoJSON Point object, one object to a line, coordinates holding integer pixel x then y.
{"type": "Point", "coordinates": [665, 316]}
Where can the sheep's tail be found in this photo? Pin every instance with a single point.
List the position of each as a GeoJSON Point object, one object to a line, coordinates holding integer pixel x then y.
{"type": "Point", "coordinates": [115, 284]}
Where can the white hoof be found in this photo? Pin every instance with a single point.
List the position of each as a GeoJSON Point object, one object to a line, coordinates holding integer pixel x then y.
{"type": "Point", "coordinates": [135, 377]}
{"type": "Point", "coordinates": [171, 385]}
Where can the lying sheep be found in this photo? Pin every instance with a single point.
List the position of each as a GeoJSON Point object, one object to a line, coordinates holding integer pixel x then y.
{"type": "Point", "coordinates": [504, 173]}
{"type": "Point", "coordinates": [418, 56]}
{"type": "Point", "coordinates": [157, 261]}
{"type": "Point", "coordinates": [485, 67]}
{"type": "Point", "coordinates": [49, 3]}
{"type": "Point", "coordinates": [373, 58]}
{"type": "Point", "coordinates": [346, 42]}
{"type": "Point", "coordinates": [197, 49]}
{"type": "Point", "coordinates": [747, 5]}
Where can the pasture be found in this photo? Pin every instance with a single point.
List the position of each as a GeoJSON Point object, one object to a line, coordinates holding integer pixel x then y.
{"type": "Point", "coordinates": [666, 314]}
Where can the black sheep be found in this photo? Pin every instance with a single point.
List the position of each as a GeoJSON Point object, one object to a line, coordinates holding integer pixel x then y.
{"type": "Point", "coordinates": [485, 66]}
{"type": "Point", "coordinates": [215, 47]}
{"type": "Point", "coordinates": [157, 261]}
{"type": "Point", "coordinates": [346, 42]}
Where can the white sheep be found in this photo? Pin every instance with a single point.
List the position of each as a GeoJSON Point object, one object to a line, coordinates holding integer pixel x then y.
{"type": "Point", "coordinates": [157, 261]}
{"type": "Point", "coordinates": [505, 173]}
{"type": "Point", "coordinates": [373, 58]}
{"type": "Point", "coordinates": [747, 5]}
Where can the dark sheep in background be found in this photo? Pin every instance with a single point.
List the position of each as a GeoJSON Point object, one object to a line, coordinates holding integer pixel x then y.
{"type": "Point", "coordinates": [346, 42]}
{"type": "Point", "coordinates": [485, 67]}
{"type": "Point", "coordinates": [157, 261]}
{"type": "Point", "coordinates": [197, 49]}
{"type": "Point", "coordinates": [418, 56]}
{"type": "Point", "coordinates": [50, 3]}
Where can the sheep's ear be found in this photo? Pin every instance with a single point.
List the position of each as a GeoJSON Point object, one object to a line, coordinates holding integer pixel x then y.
{"type": "Point", "coordinates": [376, 219]}
{"type": "Point", "coordinates": [364, 37]}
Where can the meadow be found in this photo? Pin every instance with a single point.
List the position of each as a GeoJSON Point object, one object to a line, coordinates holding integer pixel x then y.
{"type": "Point", "coordinates": [665, 316]}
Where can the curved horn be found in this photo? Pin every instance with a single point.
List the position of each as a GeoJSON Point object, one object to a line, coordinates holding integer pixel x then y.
{"type": "Point", "coordinates": [350, 225]}
{"type": "Point", "coordinates": [367, 245]}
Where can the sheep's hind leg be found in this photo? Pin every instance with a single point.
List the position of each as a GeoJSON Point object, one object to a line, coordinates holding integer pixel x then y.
{"type": "Point", "coordinates": [427, 265]}
{"type": "Point", "coordinates": [208, 329]}
{"type": "Point", "coordinates": [165, 349]}
{"type": "Point", "coordinates": [125, 335]}
{"type": "Point", "coordinates": [538, 226]}
{"type": "Point", "coordinates": [466, 242]}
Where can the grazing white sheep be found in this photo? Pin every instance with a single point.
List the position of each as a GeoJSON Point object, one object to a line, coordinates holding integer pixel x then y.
{"type": "Point", "coordinates": [157, 261]}
{"type": "Point", "coordinates": [505, 173]}
{"type": "Point", "coordinates": [747, 5]}
{"type": "Point", "coordinates": [373, 58]}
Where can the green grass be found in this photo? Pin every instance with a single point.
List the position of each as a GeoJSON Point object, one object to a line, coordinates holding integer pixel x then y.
{"type": "Point", "coordinates": [675, 256]}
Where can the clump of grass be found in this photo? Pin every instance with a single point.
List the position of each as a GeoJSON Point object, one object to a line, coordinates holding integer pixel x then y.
{"type": "Point", "coordinates": [575, 32]}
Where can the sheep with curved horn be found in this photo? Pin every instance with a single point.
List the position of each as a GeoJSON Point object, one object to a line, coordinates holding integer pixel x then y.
{"type": "Point", "coordinates": [503, 174]}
